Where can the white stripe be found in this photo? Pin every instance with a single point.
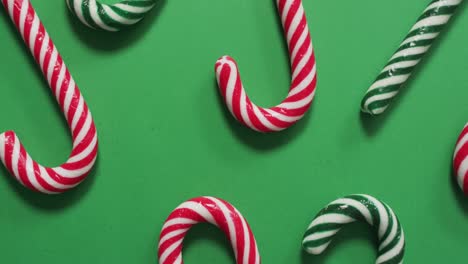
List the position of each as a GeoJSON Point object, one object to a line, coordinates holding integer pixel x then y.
{"type": "Point", "coordinates": [52, 182]}
{"type": "Point", "coordinates": [169, 250]}
{"type": "Point", "coordinates": [461, 172]}
{"type": "Point", "coordinates": [231, 82]}
{"type": "Point", "coordinates": [133, 9]}
{"type": "Point", "coordinates": [78, 113]}
{"type": "Point", "coordinates": [394, 251]}
{"type": "Point", "coordinates": [332, 218]}
{"type": "Point", "coordinates": [33, 33]}
{"type": "Point", "coordinates": [15, 158]}
{"type": "Point", "coordinates": [356, 205]}
{"type": "Point", "coordinates": [60, 79]}
{"type": "Point", "coordinates": [304, 83]}
{"type": "Point", "coordinates": [420, 37]}
{"type": "Point", "coordinates": [94, 12]}
{"type": "Point", "coordinates": [303, 62]}
{"type": "Point", "coordinates": [393, 232]}
{"type": "Point", "coordinates": [300, 42]}
{"type": "Point", "coordinates": [32, 176]}
{"type": "Point", "coordinates": [172, 234]}
{"type": "Point", "coordinates": [22, 18]}
{"type": "Point", "coordinates": [320, 235]}
{"type": "Point", "coordinates": [243, 109]}
{"type": "Point", "coordinates": [52, 65]}
{"type": "Point", "coordinates": [400, 65]}
{"type": "Point", "coordinates": [84, 154]}
{"type": "Point", "coordinates": [79, 12]}
{"type": "Point", "coordinates": [461, 142]}
{"type": "Point", "coordinates": [84, 130]}
{"type": "Point", "coordinates": [441, 3]}
{"type": "Point", "coordinates": [298, 104]}
{"type": "Point", "coordinates": [378, 97]}
{"type": "Point", "coordinates": [179, 221]}
{"type": "Point", "coordinates": [317, 250]}
{"type": "Point", "coordinates": [392, 80]}
{"type": "Point", "coordinates": [117, 17]}
{"type": "Point", "coordinates": [229, 222]}
{"type": "Point", "coordinates": [68, 96]}
{"type": "Point", "coordinates": [431, 21]}
{"type": "Point", "coordinates": [287, 6]}
{"type": "Point", "coordinates": [42, 54]}
{"type": "Point", "coordinates": [410, 52]}
{"type": "Point", "coordinates": [2, 147]}
{"type": "Point", "coordinates": [10, 8]}
{"type": "Point", "coordinates": [281, 117]}
{"type": "Point", "coordinates": [384, 217]}
{"type": "Point", "coordinates": [295, 23]}
{"type": "Point", "coordinates": [263, 120]}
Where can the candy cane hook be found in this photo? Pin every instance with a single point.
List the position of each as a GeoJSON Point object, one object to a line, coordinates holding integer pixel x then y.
{"type": "Point", "coordinates": [302, 90]}
{"type": "Point", "coordinates": [352, 208]}
{"type": "Point", "coordinates": [411, 51]}
{"type": "Point", "coordinates": [83, 155]}
{"type": "Point", "coordinates": [110, 17]}
{"type": "Point", "coordinates": [207, 210]}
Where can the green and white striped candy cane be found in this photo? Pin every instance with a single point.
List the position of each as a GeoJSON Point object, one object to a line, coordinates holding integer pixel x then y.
{"type": "Point", "coordinates": [358, 207]}
{"type": "Point", "coordinates": [110, 17]}
{"type": "Point", "coordinates": [408, 55]}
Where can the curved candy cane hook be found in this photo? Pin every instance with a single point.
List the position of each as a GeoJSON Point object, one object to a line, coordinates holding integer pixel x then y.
{"type": "Point", "coordinates": [353, 208]}
{"type": "Point", "coordinates": [110, 17]}
{"type": "Point", "coordinates": [411, 51]}
{"type": "Point", "coordinates": [302, 90]}
{"type": "Point", "coordinates": [207, 210]}
{"type": "Point", "coordinates": [12, 153]}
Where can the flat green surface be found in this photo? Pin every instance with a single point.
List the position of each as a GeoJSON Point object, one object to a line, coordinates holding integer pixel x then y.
{"type": "Point", "coordinates": [165, 136]}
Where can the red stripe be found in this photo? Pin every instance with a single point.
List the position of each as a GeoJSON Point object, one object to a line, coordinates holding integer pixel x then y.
{"type": "Point", "coordinates": [290, 16]}
{"type": "Point", "coordinates": [43, 183]}
{"type": "Point", "coordinates": [21, 166]}
{"type": "Point", "coordinates": [10, 138]}
{"type": "Point", "coordinates": [27, 24]}
{"type": "Point", "coordinates": [460, 156]}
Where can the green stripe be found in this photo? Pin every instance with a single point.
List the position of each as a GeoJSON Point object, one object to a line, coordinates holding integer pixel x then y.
{"type": "Point", "coordinates": [87, 15]}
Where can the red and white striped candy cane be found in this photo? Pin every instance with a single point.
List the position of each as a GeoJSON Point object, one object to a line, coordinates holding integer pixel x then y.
{"type": "Point", "coordinates": [460, 160]}
{"type": "Point", "coordinates": [302, 90]}
{"type": "Point", "coordinates": [214, 211]}
{"type": "Point", "coordinates": [12, 153]}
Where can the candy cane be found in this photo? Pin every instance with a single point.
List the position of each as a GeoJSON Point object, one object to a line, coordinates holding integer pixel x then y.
{"type": "Point", "coordinates": [350, 209]}
{"type": "Point", "coordinates": [401, 65]}
{"type": "Point", "coordinates": [210, 210]}
{"type": "Point", "coordinates": [302, 90]}
{"type": "Point", "coordinates": [12, 153]}
{"type": "Point", "coordinates": [110, 17]}
{"type": "Point", "coordinates": [460, 160]}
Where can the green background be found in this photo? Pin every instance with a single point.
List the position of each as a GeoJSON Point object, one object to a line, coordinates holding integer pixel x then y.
{"type": "Point", "coordinates": [165, 136]}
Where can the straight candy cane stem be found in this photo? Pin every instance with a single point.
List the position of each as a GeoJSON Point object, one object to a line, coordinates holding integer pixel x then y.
{"type": "Point", "coordinates": [408, 55]}
{"type": "Point", "coordinates": [83, 156]}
